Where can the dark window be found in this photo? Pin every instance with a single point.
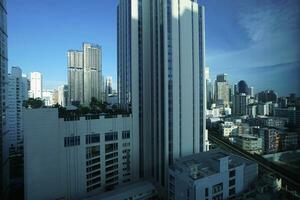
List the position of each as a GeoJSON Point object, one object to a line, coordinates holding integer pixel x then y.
{"type": "Point", "coordinates": [71, 141]}
{"type": "Point", "coordinates": [232, 173]}
{"type": "Point", "coordinates": [217, 188]}
{"type": "Point", "coordinates": [231, 182]}
{"type": "Point", "coordinates": [206, 192]}
{"type": "Point", "coordinates": [92, 138]}
{"type": "Point", "coordinates": [92, 152]}
{"type": "Point", "coordinates": [111, 136]}
{"type": "Point", "coordinates": [231, 191]}
{"type": "Point", "coordinates": [125, 134]}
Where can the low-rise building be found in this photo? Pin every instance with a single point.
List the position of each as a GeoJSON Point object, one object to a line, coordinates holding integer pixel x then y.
{"type": "Point", "coordinates": [249, 143]}
{"type": "Point", "coordinates": [74, 157]}
{"type": "Point", "coordinates": [229, 128]}
{"type": "Point", "coordinates": [270, 139]}
{"type": "Point", "coordinates": [210, 175]}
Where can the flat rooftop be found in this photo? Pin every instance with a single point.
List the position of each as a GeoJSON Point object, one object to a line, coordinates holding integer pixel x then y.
{"type": "Point", "coordinates": [205, 164]}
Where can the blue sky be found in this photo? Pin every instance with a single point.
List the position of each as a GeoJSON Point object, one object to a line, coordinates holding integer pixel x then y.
{"type": "Point", "coordinates": [254, 40]}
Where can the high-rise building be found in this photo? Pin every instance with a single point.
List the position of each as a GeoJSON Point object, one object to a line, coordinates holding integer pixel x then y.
{"type": "Point", "coordinates": [62, 95]}
{"type": "Point", "coordinates": [209, 88]}
{"type": "Point", "coordinates": [251, 92]}
{"type": "Point", "coordinates": [4, 158]}
{"type": "Point", "coordinates": [26, 87]}
{"type": "Point", "coordinates": [222, 90]}
{"type": "Point", "coordinates": [85, 74]}
{"type": "Point", "coordinates": [161, 59]}
{"type": "Point", "coordinates": [14, 110]}
{"type": "Point", "coordinates": [36, 85]}
{"type": "Point", "coordinates": [108, 86]}
{"type": "Point", "coordinates": [75, 75]}
{"type": "Point", "coordinates": [92, 72]}
{"type": "Point", "coordinates": [268, 95]}
{"type": "Point", "coordinates": [243, 87]}
{"type": "Point", "coordinates": [240, 104]}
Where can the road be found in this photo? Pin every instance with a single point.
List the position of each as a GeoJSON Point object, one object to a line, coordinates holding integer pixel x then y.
{"type": "Point", "coordinates": [290, 178]}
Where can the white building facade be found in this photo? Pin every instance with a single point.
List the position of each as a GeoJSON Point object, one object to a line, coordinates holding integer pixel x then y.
{"type": "Point", "coordinates": [211, 175]}
{"type": "Point", "coordinates": [36, 85]}
{"type": "Point", "coordinates": [79, 157]}
{"type": "Point", "coordinates": [161, 59]}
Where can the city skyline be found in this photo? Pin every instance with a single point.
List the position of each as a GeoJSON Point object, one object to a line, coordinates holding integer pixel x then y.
{"type": "Point", "coordinates": [235, 48]}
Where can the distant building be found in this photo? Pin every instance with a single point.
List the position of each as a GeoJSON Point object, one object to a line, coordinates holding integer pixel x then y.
{"type": "Point", "coordinates": [63, 95]}
{"type": "Point", "coordinates": [215, 174]}
{"type": "Point", "coordinates": [243, 87]}
{"type": "Point", "coordinates": [252, 110]}
{"type": "Point", "coordinates": [108, 86]}
{"type": "Point", "coordinates": [268, 95]}
{"type": "Point", "coordinates": [229, 128]}
{"type": "Point", "coordinates": [270, 139]}
{"type": "Point", "coordinates": [222, 90]}
{"type": "Point", "coordinates": [289, 141]}
{"type": "Point", "coordinates": [291, 113]}
{"type": "Point", "coordinates": [14, 110]}
{"type": "Point", "coordinates": [85, 74]}
{"type": "Point", "coordinates": [25, 87]}
{"type": "Point", "coordinates": [55, 97]}
{"type": "Point", "coordinates": [48, 97]}
{"type": "Point", "coordinates": [36, 85]}
{"type": "Point", "coordinates": [240, 104]}
{"type": "Point", "coordinates": [249, 143]}
{"type": "Point", "coordinates": [73, 158]}
{"type": "Point", "coordinates": [251, 91]}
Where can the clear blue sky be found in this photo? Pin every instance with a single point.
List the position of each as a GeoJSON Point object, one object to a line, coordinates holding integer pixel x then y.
{"type": "Point", "coordinates": [254, 40]}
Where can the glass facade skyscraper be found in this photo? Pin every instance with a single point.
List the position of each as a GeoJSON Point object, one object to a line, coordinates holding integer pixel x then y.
{"type": "Point", "coordinates": [161, 59]}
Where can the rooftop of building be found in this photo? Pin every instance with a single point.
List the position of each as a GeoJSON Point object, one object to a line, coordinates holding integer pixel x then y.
{"type": "Point", "coordinates": [134, 189]}
{"type": "Point", "coordinates": [205, 164]}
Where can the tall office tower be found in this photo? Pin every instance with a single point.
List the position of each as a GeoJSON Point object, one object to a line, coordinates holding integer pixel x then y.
{"type": "Point", "coordinates": [222, 90]}
{"type": "Point", "coordinates": [4, 159]}
{"type": "Point", "coordinates": [14, 110]}
{"type": "Point", "coordinates": [48, 97]}
{"type": "Point", "coordinates": [251, 91]}
{"type": "Point", "coordinates": [240, 104]}
{"type": "Point", "coordinates": [62, 95]}
{"type": "Point", "coordinates": [242, 87]}
{"type": "Point", "coordinates": [36, 85]}
{"type": "Point", "coordinates": [108, 85]}
{"type": "Point", "coordinates": [92, 71]}
{"type": "Point", "coordinates": [161, 72]}
{"type": "Point", "coordinates": [25, 87]}
{"type": "Point", "coordinates": [75, 76]}
{"type": "Point", "coordinates": [209, 88]}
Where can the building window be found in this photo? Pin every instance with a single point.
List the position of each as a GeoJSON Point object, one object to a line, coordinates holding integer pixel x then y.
{"type": "Point", "coordinates": [93, 161]}
{"type": "Point", "coordinates": [231, 182]}
{"type": "Point", "coordinates": [231, 191]}
{"type": "Point", "coordinates": [93, 187]}
{"type": "Point", "coordinates": [92, 138]}
{"type": "Point", "coordinates": [111, 136]}
{"type": "Point", "coordinates": [92, 152]}
{"type": "Point", "coordinates": [217, 188]}
{"type": "Point", "coordinates": [218, 197]}
{"type": "Point", "coordinates": [111, 147]}
{"type": "Point", "coordinates": [93, 168]}
{"type": "Point", "coordinates": [125, 134]}
{"type": "Point", "coordinates": [206, 192]}
{"type": "Point", "coordinates": [232, 173]}
{"type": "Point", "coordinates": [71, 141]}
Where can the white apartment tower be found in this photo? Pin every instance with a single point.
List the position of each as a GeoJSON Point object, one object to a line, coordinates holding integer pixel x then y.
{"type": "Point", "coordinates": [14, 110]}
{"type": "Point", "coordinates": [161, 59]}
{"type": "Point", "coordinates": [85, 73]}
{"type": "Point", "coordinates": [36, 85]}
